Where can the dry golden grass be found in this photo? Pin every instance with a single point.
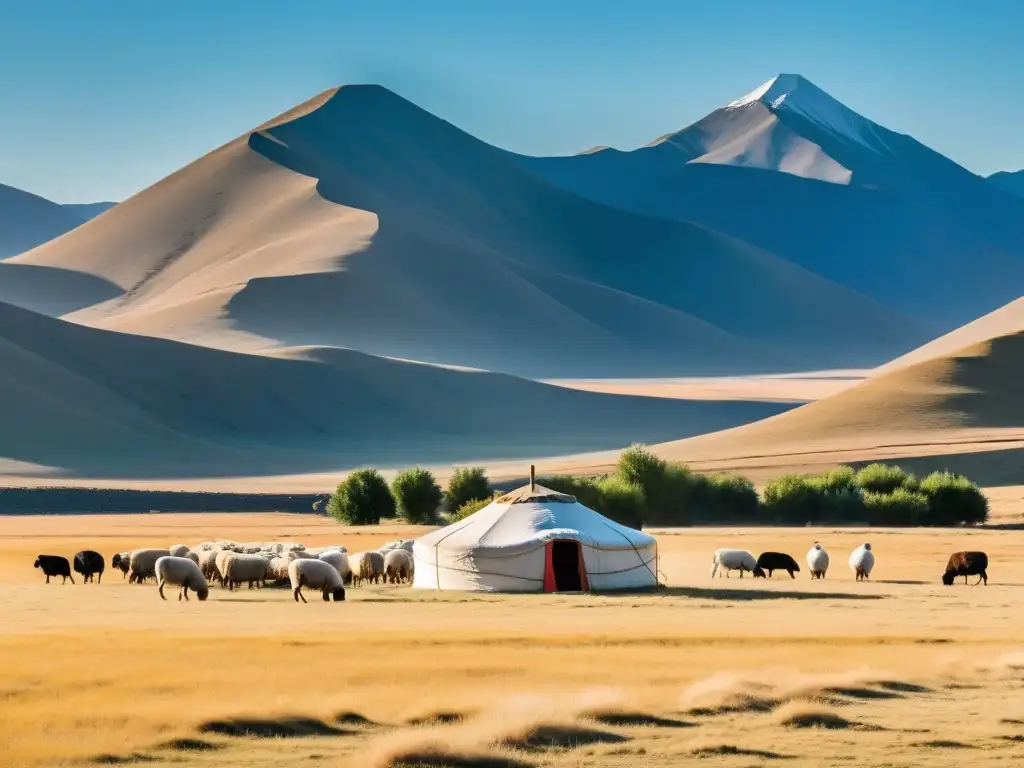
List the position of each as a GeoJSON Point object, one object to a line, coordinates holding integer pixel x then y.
{"type": "Point", "coordinates": [704, 670]}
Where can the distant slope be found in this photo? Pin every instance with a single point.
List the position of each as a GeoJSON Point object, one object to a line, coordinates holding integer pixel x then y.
{"type": "Point", "coordinates": [960, 403]}
{"type": "Point", "coordinates": [793, 170]}
{"type": "Point", "coordinates": [87, 211]}
{"type": "Point", "coordinates": [359, 220]}
{"type": "Point", "coordinates": [1009, 181]}
{"type": "Point", "coordinates": [1006, 320]}
{"type": "Point", "coordinates": [27, 220]}
{"type": "Point", "coordinates": [93, 403]}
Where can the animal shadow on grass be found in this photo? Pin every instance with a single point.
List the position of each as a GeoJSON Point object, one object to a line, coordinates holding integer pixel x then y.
{"type": "Point", "coordinates": [635, 719]}
{"type": "Point", "coordinates": [713, 593]}
{"type": "Point", "coordinates": [826, 720]}
{"type": "Point", "coordinates": [561, 737]}
{"type": "Point", "coordinates": [731, 750]}
{"type": "Point", "coordinates": [277, 728]}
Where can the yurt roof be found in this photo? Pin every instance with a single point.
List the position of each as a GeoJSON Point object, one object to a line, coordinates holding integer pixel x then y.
{"type": "Point", "coordinates": [528, 517]}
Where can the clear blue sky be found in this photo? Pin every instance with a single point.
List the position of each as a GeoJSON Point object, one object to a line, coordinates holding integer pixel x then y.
{"type": "Point", "coordinates": [101, 98]}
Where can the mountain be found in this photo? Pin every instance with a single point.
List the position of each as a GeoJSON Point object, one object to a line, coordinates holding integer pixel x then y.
{"type": "Point", "coordinates": [84, 402]}
{"type": "Point", "coordinates": [359, 220]}
{"type": "Point", "coordinates": [794, 171]}
{"type": "Point", "coordinates": [1009, 181]}
{"type": "Point", "coordinates": [87, 211]}
{"type": "Point", "coordinates": [27, 220]}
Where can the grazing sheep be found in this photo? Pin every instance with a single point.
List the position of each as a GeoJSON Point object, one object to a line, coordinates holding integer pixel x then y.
{"type": "Point", "coordinates": [240, 568]}
{"type": "Point", "coordinates": [182, 572]}
{"type": "Point", "coordinates": [966, 564]}
{"type": "Point", "coordinates": [121, 561]}
{"type": "Point", "coordinates": [862, 560]}
{"type": "Point", "coordinates": [367, 566]}
{"type": "Point", "coordinates": [340, 561]}
{"type": "Point", "coordinates": [55, 565]}
{"type": "Point", "coordinates": [89, 564]}
{"type": "Point", "coordinates": [142, 564]}
{"type": "Point", "coordinates": [192, 556]}
{"type": "Point", "coordinates": [220, 561]}
{"type": "Point", "coordinates": [735, 560]}
{"type": "Point", "coordinates": [398, 566]}
{"type": "Point", "coordinates": [315, 574]}
{"type": "Point", "coordinates": [179, 550]}
{"type": "Point", "coordinates": [208, 563]}
{"type": "Point", "coordinates": [817, 561]}
{"type": "Point", "coordinates": [778, 561]}
{"type": "Point", "coordinates": [405, 544]}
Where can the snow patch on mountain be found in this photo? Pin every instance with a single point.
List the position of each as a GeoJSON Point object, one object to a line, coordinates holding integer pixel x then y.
{"type": "Point", "coordinates": [797, 95]}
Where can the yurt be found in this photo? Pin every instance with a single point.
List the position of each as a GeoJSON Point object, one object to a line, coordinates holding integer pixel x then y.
{"type": "Point", "coordinates": [535, 540]}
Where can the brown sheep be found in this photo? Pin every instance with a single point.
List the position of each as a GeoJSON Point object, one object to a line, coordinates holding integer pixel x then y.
{"type": "Point", "coordinates": [966, 564]}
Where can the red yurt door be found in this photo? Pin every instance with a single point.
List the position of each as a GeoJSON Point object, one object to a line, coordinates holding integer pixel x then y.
{"type": "Point", "coordinates": [564, 568]}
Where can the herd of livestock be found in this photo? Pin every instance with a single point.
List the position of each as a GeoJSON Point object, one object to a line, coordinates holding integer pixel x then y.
{"type": "Point", "coordinates": [330, 569]}
{"type": "Point", "coordinates": [862, 562]}
{"type": "Point", "coordinates": [327, 569]}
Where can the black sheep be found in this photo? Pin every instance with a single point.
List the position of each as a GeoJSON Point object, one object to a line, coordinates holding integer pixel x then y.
{"type": "Point", "coordinates": [966, 564]}
{"type": "Point", "coordinates": [89, 564]}
{"type": "Point", "coordinates": [777, 561]}
{"type": "Point", "coordinates": [55, 565]}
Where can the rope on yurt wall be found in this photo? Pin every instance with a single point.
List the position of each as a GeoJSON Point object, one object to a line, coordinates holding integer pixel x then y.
{"type": "Point", "coordinates": [639, 556]}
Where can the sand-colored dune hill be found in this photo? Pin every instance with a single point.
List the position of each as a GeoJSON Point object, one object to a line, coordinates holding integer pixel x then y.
{"type": "Point", "coordinates": [28, 220]}
{"type": "Point", "coordinates": [362, 221]}
{"type": "Point", "coordinates": [105, 404]}
{"type": "Point", "coordinates": [963, 402]}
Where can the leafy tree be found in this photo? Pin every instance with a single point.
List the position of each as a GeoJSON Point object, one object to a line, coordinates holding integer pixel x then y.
{"type": "Point", "coordinates": [469, 508]}
{"type": "Point", "coordinates": [620, 501]}
{"type": "Point", "coordinates": [467, 484]}
{"type": "Point", "coordinates": [417, 495]}
{"type": "Point", "coordinates": [953, 499]}
{"type": "Point", "coordinates": [362, 499]}
{"type": "Point", "coordinates": [885, 478]}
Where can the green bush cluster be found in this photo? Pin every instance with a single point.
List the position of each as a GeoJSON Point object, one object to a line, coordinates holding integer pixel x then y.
{"type": "Point", "coordinates": [648, 491]}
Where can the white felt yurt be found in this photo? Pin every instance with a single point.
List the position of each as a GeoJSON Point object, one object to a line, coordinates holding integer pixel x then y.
{"type": "Point", "coordinates": [535, 540]}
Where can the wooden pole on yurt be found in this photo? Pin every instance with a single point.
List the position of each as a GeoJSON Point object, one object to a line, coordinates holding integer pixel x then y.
{"type": "Point", "coordinates": [533, 477]}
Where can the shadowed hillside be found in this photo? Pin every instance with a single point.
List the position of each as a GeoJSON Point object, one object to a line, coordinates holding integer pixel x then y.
{"type": "Point", "coordinates": [100, 404]}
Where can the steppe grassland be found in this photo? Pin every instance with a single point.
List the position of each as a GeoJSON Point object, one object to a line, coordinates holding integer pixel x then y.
{"type": "Point", "coordinates": [109, 671]}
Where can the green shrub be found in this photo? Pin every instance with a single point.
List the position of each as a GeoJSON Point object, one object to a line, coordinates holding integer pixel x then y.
{"type": "Point", "coordinates": [620, 501]}
{"type": "Point", "coordinates": [885, 478]}
{"type": "Point", "coordinates": [583, 488]}
{"type": "Point", "coordinates": [901, 507]}
{"type": "Point", "coordinates": [734, 499]}
{"type": "Point", "coordinates": [838, 481]}
{"type": "Point", "coordinates": [362, 499]}
{"type": "Point", "coordinates": [417, 494]}
{"type": "Point", "coordinates": [795, 500]}
{"type": "Point", "coordinates": [953, 499]}
{"type": "Point", "coordinates": [467, 484]}
{"type": "Point", "coordinates": [468, 509]}
{"type": "Point", "coordinates": [642, 468]}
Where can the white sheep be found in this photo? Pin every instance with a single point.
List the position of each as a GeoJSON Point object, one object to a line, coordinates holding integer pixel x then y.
{"type": "Point", "coordinates": [219, 560]}
{"type": "Point", "coordinates": [405, 544]}
{"type": "Point", "coordinates": [398, 565]}
{"type": "Point", "coordinates": [315, 574]}
{"type": "Point", "coordinates": [208, 563]}
{"type": "Point", "coordinates": [242, 567]}
{"type": "Point", "coordinates": [340, 561]}
{"type": "Point", "coordinates": [862, 560]}
{"type": "Point", "coordinates": [182, 572]}
{"type": "Point", "coordinates": [817, 561]}
{"type": "Point", "coordinates": [179, 550]}
{"type": "Point", "coordinates": [367, 566]}
{"type": "Point", "coordinates": [142, 564]}
{"type": "Point", "coordinates": [734, 560]}
{"type": "Point", "coordinates": [122, 561]}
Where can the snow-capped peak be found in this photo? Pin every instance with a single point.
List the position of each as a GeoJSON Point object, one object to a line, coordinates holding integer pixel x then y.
{"type": "Point", "coordinates": [796, 94]}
